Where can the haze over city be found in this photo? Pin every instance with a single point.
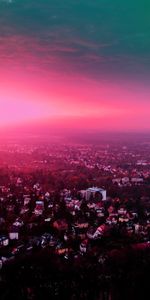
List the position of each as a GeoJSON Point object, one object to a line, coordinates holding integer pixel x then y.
{"type": "Point", "coordinates": [75, 64]}
{"type": "Point", "coordinates": [74, 149]}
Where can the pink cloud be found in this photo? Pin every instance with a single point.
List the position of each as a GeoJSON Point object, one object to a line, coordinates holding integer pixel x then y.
{"type": "Point", "coordinates": [37, 84]}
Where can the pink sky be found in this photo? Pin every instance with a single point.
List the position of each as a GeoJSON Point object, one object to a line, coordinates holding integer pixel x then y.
{"type": "Point", "coordinates": [74, 65]}
{"type": "Point", "coordinates": [63, 96]}
{"type": "Point", "coordinates": [76, 101]}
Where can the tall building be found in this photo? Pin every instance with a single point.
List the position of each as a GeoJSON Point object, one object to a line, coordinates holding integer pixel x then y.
{"type": "Point", "coordinates": [93, 191]}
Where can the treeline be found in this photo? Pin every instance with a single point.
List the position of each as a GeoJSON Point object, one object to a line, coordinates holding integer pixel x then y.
{"type": "Point", "coordinates": [44, 276]}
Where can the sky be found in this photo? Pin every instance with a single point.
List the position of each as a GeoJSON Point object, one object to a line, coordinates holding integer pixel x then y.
{"type": "Point", "coordinates": [75, 64]}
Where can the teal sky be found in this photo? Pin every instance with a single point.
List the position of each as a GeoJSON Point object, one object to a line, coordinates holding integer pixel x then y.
{"type": "Point", "coordinates": [78, 46]}
{"type": "Point", "coordinates": [99, 35]}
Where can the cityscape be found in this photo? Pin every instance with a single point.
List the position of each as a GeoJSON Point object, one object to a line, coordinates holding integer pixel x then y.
{"type": "Point", "coordinates": [77, 210]}
{"type": "Point", "coordinates": [74, 150]}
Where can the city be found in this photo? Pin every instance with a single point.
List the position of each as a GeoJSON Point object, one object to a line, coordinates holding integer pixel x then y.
{"type": "Point", "coordinates": [74, 149]}
{"type": "Point", "coordinates": [76, 206]}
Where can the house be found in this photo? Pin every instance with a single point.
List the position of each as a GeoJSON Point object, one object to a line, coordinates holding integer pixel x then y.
{"type": "Point", "coordinates": [62, 249]}
{"type": "Point", "coordinates": [14, 232]}
{"type": "Point", "coordinates": [95, 191]}
{"type": "Point", "coordinates": [122, 211]}
{"type": "Point", "coordinates": [98, 233]}
{"type": "Point", "coordinates": [83, 246]}
{"type": "Point", "coordinates": [137, 180]}
{"type": "Point", "coordinates": [125, 180]}
{"type": "Point", "coordinates": [116, 180]}
{"type": "Point", "coordinates": [60, 225]}
{"type": "Point", "coordinates": [4, 241]}
{"type": "Point", "coordinates": [27, 199]}
{"type": "Point", "coordinates": [39, 208]}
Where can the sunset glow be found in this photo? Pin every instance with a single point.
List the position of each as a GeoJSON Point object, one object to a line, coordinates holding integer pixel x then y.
{"type": "Point", "coordinates": [74, 149]}
{"type": "Point", "coordinates": [69, 77]}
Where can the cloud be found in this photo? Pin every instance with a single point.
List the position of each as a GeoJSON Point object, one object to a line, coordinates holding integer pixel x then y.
{"type": "Point", "coordinates": [70, 36]}
{"type": "Point", "coordinates": [7, 1]}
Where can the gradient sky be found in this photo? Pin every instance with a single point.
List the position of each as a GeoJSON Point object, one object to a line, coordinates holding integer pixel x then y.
{"type": "Point", "coordinates": [75, 64]}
